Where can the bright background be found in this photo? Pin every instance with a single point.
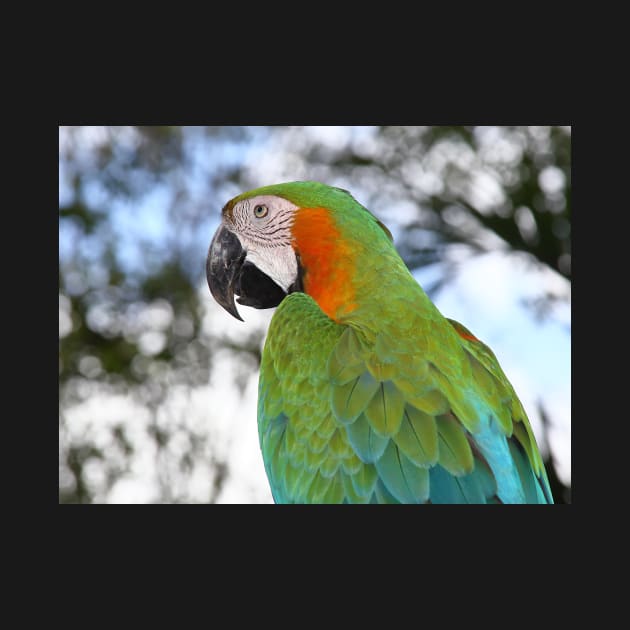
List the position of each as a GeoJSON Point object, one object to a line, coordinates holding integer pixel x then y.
{"type": "Point", "coordinates": [158, 385]}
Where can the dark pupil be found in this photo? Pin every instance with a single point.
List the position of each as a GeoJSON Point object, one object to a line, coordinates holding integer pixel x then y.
{"type": "Point", "coordinates": [259, 209]}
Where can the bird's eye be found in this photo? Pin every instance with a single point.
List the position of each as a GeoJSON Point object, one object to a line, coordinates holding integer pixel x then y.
{"type": "Point", "coordinates": [260, 211]}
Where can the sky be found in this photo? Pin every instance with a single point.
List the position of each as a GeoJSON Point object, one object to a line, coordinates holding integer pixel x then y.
{"type": "Point", "coordinates": [486, 296]}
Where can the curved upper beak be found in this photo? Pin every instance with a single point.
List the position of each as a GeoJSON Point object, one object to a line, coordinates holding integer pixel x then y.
{"type": "Point", "coordinates": [223, 268]}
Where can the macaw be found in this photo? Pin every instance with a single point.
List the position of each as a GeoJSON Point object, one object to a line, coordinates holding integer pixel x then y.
{"type": "Point", "coordinates": [367, 393]}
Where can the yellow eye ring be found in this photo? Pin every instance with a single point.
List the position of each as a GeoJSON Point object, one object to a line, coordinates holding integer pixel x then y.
{"type": "Point", "coordinates": [260, 211]}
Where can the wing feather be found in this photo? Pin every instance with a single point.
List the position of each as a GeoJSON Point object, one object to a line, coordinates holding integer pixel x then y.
{"type": "Point", "coordinates": [373, 420]}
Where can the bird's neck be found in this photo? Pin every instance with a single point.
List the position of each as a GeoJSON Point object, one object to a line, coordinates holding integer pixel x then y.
{"type": "Point", "coordinates": [349, 280]}
{"type": "Point", "coordinates": [327, 261]}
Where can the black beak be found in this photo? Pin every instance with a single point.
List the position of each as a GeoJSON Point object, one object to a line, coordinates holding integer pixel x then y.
{"type": "Point", "coordinates": [223, 268]}
{"type": "Point", "coordinates": [229, 273]}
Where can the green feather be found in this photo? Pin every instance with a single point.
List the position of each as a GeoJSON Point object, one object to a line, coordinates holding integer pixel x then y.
{"type": "Point", "coordinates": [294, 478]}
{"type": "Point", "coordinates": [458, 399]}
{"type": "Point", "coordinates": [432, 402]}
{"type": "Point", "coordinates": [330, 465]}
{"type": "Point", "coordinates": [404, 480]}
{"type": "Point", "coordinates": [366, 442]}
{"type": "Point", "coordinates": [349, 400]}
{"type": "Point", "coordinates": [346, 361]}
{"type": "Point", "coordinates": [454, 450]}
{"type": "Point", "coordinates": [313, 461]}
{"type": "Point", "coordinates": [318, 488]}
{"type": "Point", "coordinates": [335, 492]}
{"type": "Point", "coordinates": [417, 437]}
{"type": "Point", "coordinates": [364, 480]}
{"type": "Point", "coordinates": [342, 372]}
{"type": "Point", "coordinates": [351, 464]}
{"type": "Point", "coordinates": [385, 410]}
{"type": "Point", "coordinates": [350, 493]}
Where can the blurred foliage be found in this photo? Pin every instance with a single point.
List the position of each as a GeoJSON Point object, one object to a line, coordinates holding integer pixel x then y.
{"type": "Point", "coordinates": [131, 278]}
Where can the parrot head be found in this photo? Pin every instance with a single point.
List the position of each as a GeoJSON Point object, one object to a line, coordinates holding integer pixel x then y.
{"type": "Point", "coordinates": [297, 236]}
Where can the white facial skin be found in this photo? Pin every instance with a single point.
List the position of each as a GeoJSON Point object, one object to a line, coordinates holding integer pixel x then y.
{"type": "Point", "coordinates": [266, 236]}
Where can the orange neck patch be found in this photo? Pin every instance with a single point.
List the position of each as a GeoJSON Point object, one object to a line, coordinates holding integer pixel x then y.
{"type": "Point", "coordinates": [327, 260]}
